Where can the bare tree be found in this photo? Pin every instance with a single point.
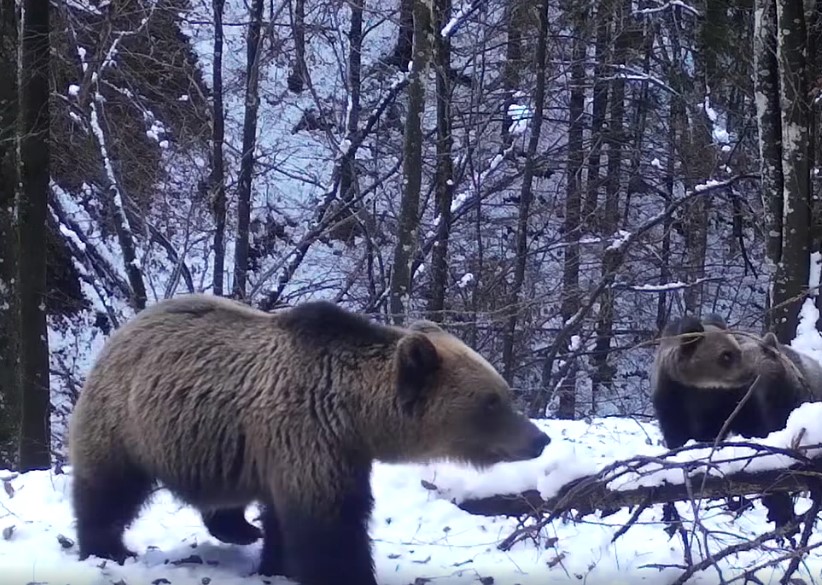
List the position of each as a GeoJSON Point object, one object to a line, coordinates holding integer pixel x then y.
{"type": "Point", "coordinates": [252, 105]}
{"type": "Point", "coordinates": [444, 183]}
{"type": "Point", "coordinates": [217, 138]}
{"type": "Point", "coordinates": [412, 165]}
{"type": "Point", "coordinates": [9, 377]}
{"type": "Point", "coordinates": [526, 196]}
{"type": "Point", "coordinates": [32, 209]}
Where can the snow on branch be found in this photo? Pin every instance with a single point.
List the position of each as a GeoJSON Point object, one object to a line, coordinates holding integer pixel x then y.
{"type": "Point", "coordinates": [634, 482]}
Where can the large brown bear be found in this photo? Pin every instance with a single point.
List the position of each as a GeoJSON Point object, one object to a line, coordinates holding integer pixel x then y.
{"type": "Point", "coordinates": [701, 373]}
{"type": "Point", "coordinates": [225, 405]}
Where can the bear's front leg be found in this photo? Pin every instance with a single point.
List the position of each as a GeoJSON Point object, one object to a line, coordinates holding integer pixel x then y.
{"type": "Point", "coordinates": [329, 544]}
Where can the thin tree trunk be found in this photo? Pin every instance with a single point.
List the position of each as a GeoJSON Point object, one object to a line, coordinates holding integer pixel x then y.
{"type": "Point", "coordinates": [570, 300]}
{"type": "Point", "coordinates": [296, 78]}
{"type": "Point", "coordinates": [603, 375]}
{"type": "Point", "coordinates": [348, 178]}
{"type": "Point", "coordinates": [217, 139]}
{"type": "Point", "coordinates": [598, 108]}
{"type": "Point", "coordinates": [412, 166]}
{"type": "Point", "coordinates": [526, 195]}
{"type": "Point", "coordinates": [405, 35]}
{"type": "Point", "coordinates": [252, 104]}
{"type": "Point", "coordinates": [513, 64]}
{"type": "Point", "coordinates": [444, 182]}
{"type": "Point", "coordinates": [9, 373]}
{"type": "Point", "coordinates": [35, 436]}
{"type": "Point", "coordinates": [792, 272]}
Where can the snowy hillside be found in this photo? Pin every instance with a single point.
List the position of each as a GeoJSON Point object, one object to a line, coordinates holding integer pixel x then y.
{"type": "Point", "coordinates": [419, 537]}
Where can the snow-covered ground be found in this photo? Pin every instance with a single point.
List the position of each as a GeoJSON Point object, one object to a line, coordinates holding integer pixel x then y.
{"type": "Point", "coordinates": [418, 532]}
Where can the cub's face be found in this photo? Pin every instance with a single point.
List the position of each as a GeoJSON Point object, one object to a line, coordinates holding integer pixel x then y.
{"type": "Point", "coordinates": [463, 405]}
{"type": "Point", "coordinates": [706, 355]}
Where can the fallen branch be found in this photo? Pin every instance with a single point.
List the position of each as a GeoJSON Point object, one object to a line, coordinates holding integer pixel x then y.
{"type": "Point", "coordinates": [592, 493]}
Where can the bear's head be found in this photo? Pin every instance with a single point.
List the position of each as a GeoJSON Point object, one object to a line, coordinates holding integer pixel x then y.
{"type": "Point", "coordinates": [705, 354]}
{"type": "Point", "coordinates": [459, 404]}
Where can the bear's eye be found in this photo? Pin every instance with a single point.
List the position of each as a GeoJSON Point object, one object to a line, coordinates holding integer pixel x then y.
{"type": "Point", "coordinates": [726, 358]}
{"type": "Point", "coordinates": [492, 401]}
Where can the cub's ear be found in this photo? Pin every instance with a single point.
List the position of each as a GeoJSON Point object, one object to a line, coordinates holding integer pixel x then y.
{"type": "Point", "coordinates": [417, 364]}
{"type": "Point", "coordinates": [770, 340]}
{"type": "Point", "coordinates": [425, 326]}
{"type": "Point", "coordinates": [688, 327]}
{"type": "Point", "coordinates": [715, 320]}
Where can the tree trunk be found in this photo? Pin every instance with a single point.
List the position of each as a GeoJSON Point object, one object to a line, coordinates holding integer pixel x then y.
{"type": "Point", "coordinates": [297, 78]}
{"type": "Point", "coordinates": [598, 107]}
{"type": "Point", "coordinates": [9, 373]}
{"type": "Point", "coordinates": [609, 220]}
{"type": "Point", "coordinates": [405, 35]}
{"type": "Point", "coordinates": [570, 301]}
{"type": "Point", "coordinates": [252, 104]}
{"type": "Point", "coordinates": [525, 198]}
{"type": "Point", "coordinates": [412, 165]}
{"type": "Point", "coordinates": [348, 173]}
{"type": "Point", "coordinates": [444, 182]}
{"type": "Point", "coordinates": [35, 439]}
{"type": "Point", "coordinates": [766, 92]}
{"type": "Point", "coordinates": [791, 278]}
{"type": "Point", "coordinates": [513, 64]}
{"type": "Point", "coordinates": [217, 139]}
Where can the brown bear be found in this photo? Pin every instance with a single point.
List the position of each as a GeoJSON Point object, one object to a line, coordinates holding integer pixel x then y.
{"type": "Point", "coordinates": [701, 373]}
{"type": "Point", "coordinates": [226, 405]}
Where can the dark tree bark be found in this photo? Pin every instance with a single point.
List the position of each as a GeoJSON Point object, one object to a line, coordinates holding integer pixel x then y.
{"type": "Point", "coordinates": [252, 105]}
{"type": "Point", "coordinates": [412, 166]}
{"type": "Point", "coordinates": [444, 182]}
{"type": "Point", "coordinates": [217, 139]}
{"type": "Point", "coordinates": [9, 374]}
{"type": "Point", "coordinates": [525, 198]}
{"type": "Point", "coordinates": [297, 78]}
{"type": "Point", "coordinates": [513, 64]}
{"type": "Point", "coordinates": [405, 35]}
{"type": "Point", "coordinates": [598, 108]}
{"type": "Point", "coordinates": [609, 220]}
{"type": "Point", "coordinates": [35, 437]}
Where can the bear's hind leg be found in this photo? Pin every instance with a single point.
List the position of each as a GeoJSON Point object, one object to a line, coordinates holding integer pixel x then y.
{"type": "Point", "coordinates": [229, 525]}
{"type": "Point", "coordinates": [104, 506]}
{"type": "Point", "coordinates": [330, 547]}
{"type": "Point", "coordinates": [271, 561]}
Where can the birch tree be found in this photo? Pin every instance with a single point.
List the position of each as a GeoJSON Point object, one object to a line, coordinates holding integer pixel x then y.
{"type": "Point", "coordinates": [32, 208]}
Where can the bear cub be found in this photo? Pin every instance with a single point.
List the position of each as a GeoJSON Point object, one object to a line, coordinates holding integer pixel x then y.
{"type": "Point", "coordinates": [225, 405]}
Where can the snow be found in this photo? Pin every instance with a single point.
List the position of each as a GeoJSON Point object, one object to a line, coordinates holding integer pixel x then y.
{"type": "Point", "coordinates": [74, 90]}
{"type": "Point", "coordinates": [418, 532]}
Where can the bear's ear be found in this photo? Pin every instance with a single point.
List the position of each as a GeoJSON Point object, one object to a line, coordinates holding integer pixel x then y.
{"type": "Point", "coordinates": [417, 364]}
{"type": "Point", "coordinates": [425, 326]}
{"type": "Point", "coordinates": [688, 328]}
{"type": "Point", "coordinates": [770, 340]}
{"type": "Point", "coordinates": [715, 320]}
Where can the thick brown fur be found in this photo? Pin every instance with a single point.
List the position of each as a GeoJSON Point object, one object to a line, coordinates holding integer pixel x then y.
{"type": "Point", "coordinates": [225, 405]}
{"type": "Point", "coordinates": [702, 370]}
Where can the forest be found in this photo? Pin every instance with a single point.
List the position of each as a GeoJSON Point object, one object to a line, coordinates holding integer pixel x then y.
{"type": "Point", "coordinates": [552, 181]}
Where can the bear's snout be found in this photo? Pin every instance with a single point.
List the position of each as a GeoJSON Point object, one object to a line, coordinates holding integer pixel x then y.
{"type": "Point", "coordinates": [539, 443]}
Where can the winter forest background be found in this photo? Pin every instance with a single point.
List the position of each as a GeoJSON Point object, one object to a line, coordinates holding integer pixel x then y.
{"type": "Point", "coordinates": [553, 180]}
